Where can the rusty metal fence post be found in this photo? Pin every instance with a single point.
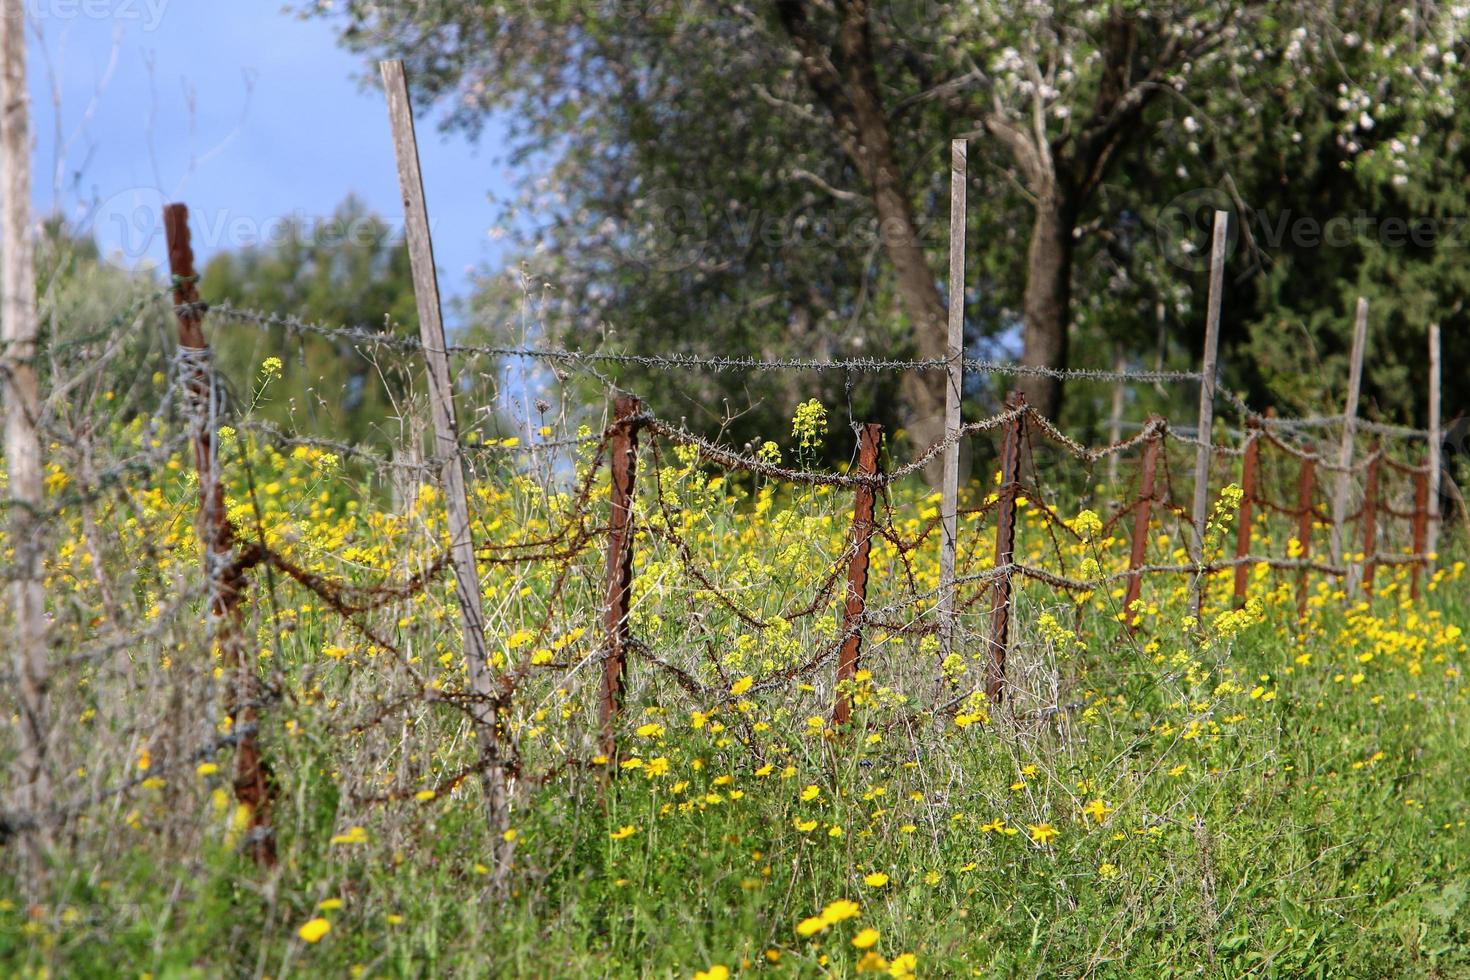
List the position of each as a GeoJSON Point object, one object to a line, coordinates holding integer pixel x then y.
{"type": "Point", "coordinates": [1005, 548]}
{"type": "Point", "coordinates": [857, 571]}
{"type": "Point", "coordinates": [622, 463]}
{"type": "Point", "coordinates": [1304, 488]}
{"type": "Point", "coordinates": [1248, 476]}
{"type": "Point", "coordinates": [217, 536]}
{"type": "Point", "coordinates": [1370, 521]}
{"type": "Point", "coordinates": [1421, 522]}
{"type": "Point", "coordinates": [1143, 513]}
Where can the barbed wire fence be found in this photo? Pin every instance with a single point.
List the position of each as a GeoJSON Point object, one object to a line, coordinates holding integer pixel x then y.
{"type": "Point", "coordinates": [603, 528]}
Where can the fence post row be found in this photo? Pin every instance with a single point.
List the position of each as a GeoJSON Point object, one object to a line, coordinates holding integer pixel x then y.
{"type": "Point", "coordinates": [1248, 476]}
{"type": "Point", "coordinates": [953, 390]}
{"type": "Point", "coordinates": [622, 466]}
{"type": "Point", "coordinates": [1306, 482]}
{"type": "Point", "coordinates": [1421, 521]}
{"type": "Point", "coordinates": [1370, 521]}
{"type": "Point", "coordinates": [217, 536]}
{"type": "Point", "coordinates": [1143, 513]}
{"type": "Point", "coordinates": [446, 442]}
{"type": "Point", "coordinates": [1005, 548]}
{"type": "Point", "coordinates": [1207, 401]}
{"type": "Point", "coordinates": [869, 437]}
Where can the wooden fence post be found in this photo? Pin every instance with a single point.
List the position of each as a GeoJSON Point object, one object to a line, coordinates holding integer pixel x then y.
{"type": "Point", "coordinates": [953, 390]}
{"type": "Point", "coordinates": [1143, 513]}
{"type": "Point", "coordinates": [623, 468]}
{"type": "Point", "coordinates": [484, 710]}
{"type": "Point", "coordinates": [857, 571]}
{"type": "Point", "coordinates": [1005, 549]}
{"type": "Point", "coordinates": [217, 536]}
{"type": "Point", "coordinates": [1349, 436]}
{"type": "Point", "coordinates": [1436, 439]}
{"type": "Point", "coordinates": [1421, 521]}
{"type": "Point", "coordinates": [1207, 400]}
{"type": "Point", "coordinates": [1305, 485]}
{"type": "Point", "coordinates": [1370, 521]}
{"type": "Point", "coordinates": [20, 385]}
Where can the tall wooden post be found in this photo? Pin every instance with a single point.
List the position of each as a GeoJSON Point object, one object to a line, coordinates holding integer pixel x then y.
{"type": "Point", "coordinates": [623, 468]}
{"type": "Point", "coordinates": [1305, 486]}
{"type": "Point", "coordinates": [953, 391]}
{"type": "Point", "coordinates": [1349, 436]}
{"type": "Point", "coordinates": [1005, 550]}
{"type": "Point", "coordinates": [857, 571]}
{"type": "Point", "coordinates": [1207, 399]}
{"type": "Point", "coordinates": [1142, 514]}
{"type": "Point", "coordinates": [446, 447]}
{"type": "Point", "coordinates": [1421, 522]}
{"type": "Point", "coordinates": [20, 387]}
{"type": "Point", "coordinates": [1436, 442]}
{"type": "Point", "coordinates": [217, 538]}
{"type": "Point", "coordinates": [1370, 521]}
{"type": "Point", "coordinates": [1246, 526]}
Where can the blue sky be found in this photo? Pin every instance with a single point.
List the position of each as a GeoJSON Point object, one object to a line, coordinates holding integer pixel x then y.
{"type": "Point", "coordinates": [244, 112]}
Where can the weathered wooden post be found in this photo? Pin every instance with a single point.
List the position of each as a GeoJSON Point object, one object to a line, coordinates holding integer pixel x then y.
{"type": "Point", "coordinates": [623, 468]}
{"type": "Point", "coordinates": [953, 390]}
{"type": "Point", "coordinates": [1370, 520]}
{"type": "Point", "coordinates": [1349, 436]}
{"type": "Point", "coordinates": [857, 571]}
{"type": "Point", "coordinates": [1306, 482]}
{"type": "Point", "coordinates": [1436, 439]}
{"type": "Point", "coordinates": [1005, 548]}
{"type": "Point", "coordinates": [446, 446]}
{"type": "Point", "coordinates": [20, 386]}
{"type": "Point", "coordinates": [1143, 513]}
{"type": "Point", "coordinates": [217, 537]}
{"type": "Point", "coordinates": [1207, 401]}
{"type": "Point", "coordinates": [1244, 528]}
{"type": "Point", "coordinates": [1421, 522]}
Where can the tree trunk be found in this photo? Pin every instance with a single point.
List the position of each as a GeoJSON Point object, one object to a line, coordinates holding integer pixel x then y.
{"type": "Point", "coordinates": [1048, 299]}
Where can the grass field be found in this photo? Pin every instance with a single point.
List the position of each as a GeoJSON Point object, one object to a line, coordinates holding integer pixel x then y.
{"type": "Point", "coordinates": [1250, 795]}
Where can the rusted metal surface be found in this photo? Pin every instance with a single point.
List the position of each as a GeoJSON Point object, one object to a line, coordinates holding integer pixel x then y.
{"type": "Point", "coordinates": [1248, 475]}
{"type": "Point", "coordinates": [869, 437]}
{"type": "Point", "coordinates": [1306, 481]}
{"type": "Point", "coordinates": [1370, 522]}
{"type": "Point", "coordinates": [1421, 528]}
{"type": "Point", "coordinates": [217, 537]}
{"type": "Point", "coordinates": [1005, 550]}
{"type": "Point", "coordinates": [1142, 514]}
{"type": "Point", "coordinates": [623, 464]}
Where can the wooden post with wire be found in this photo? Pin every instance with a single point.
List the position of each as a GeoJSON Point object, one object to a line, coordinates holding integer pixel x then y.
{"type": "Point", "coordinates": [1249, 476]}
{"type": "Point", "coordinates": [623, 467]}
{"type": "Point", "coordinates": [1436, 440]}
{"type": "Point", "coordinates": [953, 391]}
{"type": "Point", "coordinates": [869, 437]}
{"type": "Point", "coordinates": [1202, 455]}
{"type": "Point", "coordinates": [20, 389]}
{"type": "Point", "coordinates": [1005, 549]}
{"type": "Point", "coordinates": [1420, 528]}
{"type": "Point", "coordinates": [1370, 520]}
{"type": "Point", "coordinates": [484, 708]}
{"type": "Point", "coordinates": [1305, 487]}
{"type": "Point", "coordinates": [1349, 436]}
{"type": "Point", "coordinates": [1143, 513]}
{"type": "Point", "coordinates": [217, 536]}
